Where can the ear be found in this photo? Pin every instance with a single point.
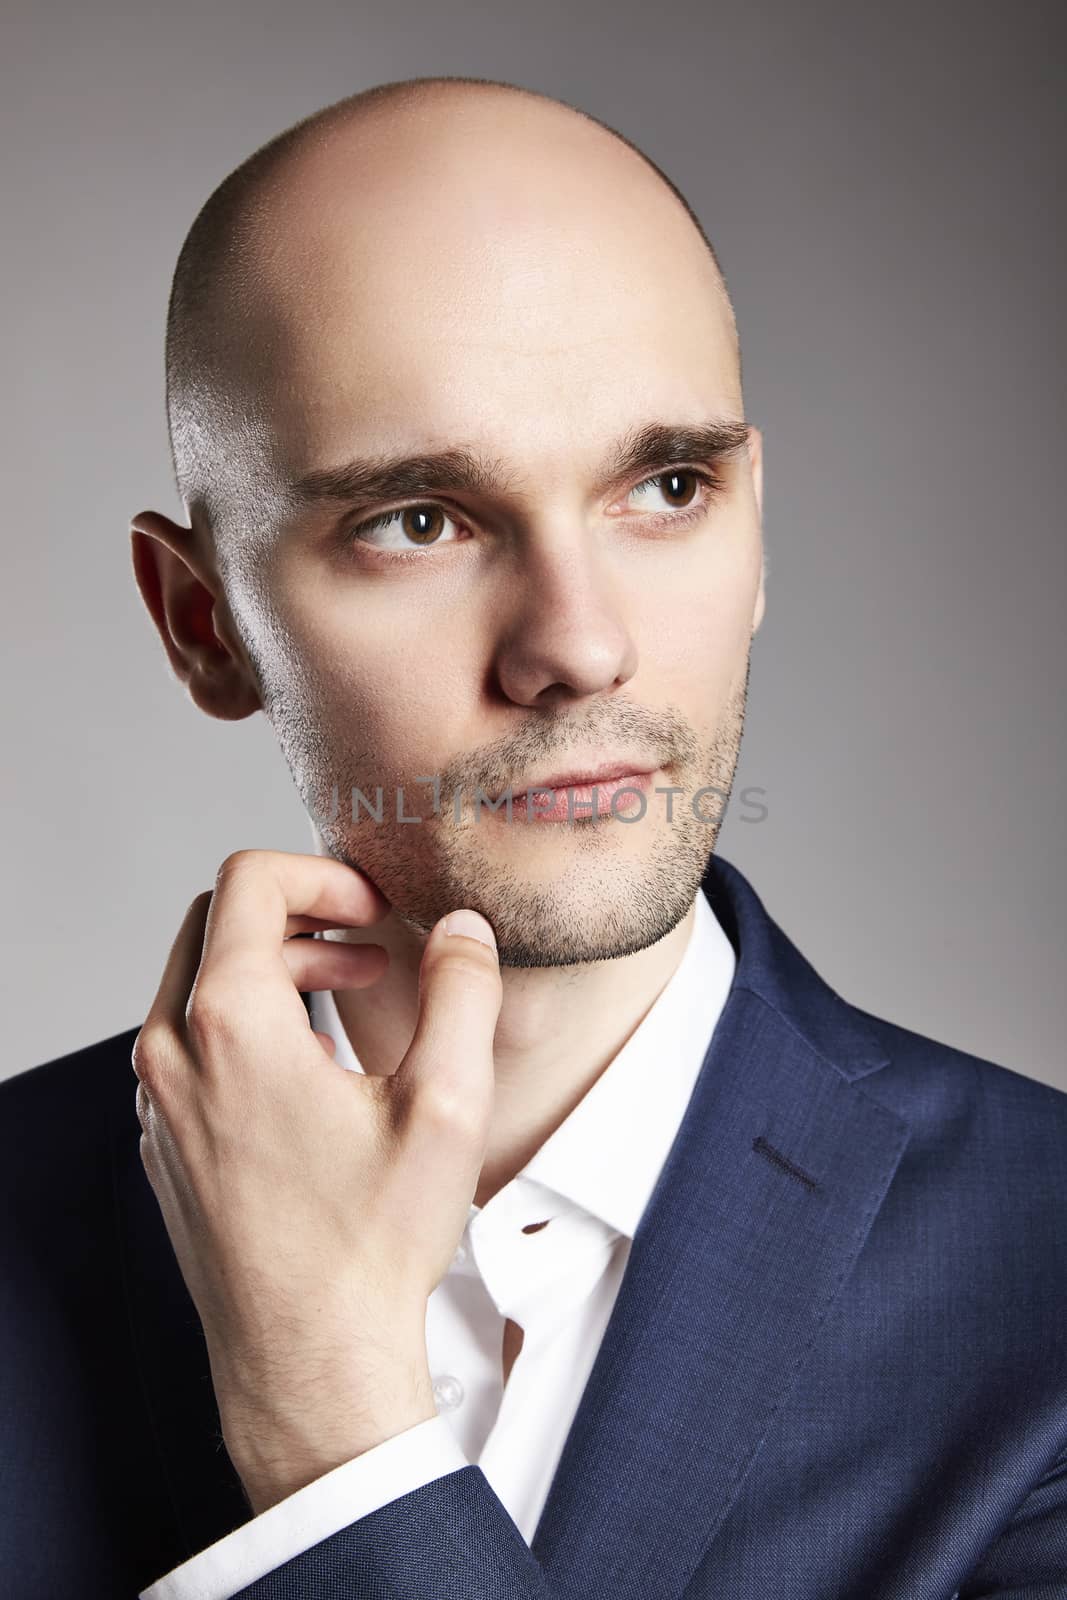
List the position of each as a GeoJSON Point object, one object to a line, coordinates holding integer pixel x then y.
{"type": "Point", "coordinates": [185, 601]}
{"type": "Point", "coordinates": [755, 456]}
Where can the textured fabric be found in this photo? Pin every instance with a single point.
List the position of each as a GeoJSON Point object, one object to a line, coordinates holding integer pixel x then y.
{"type": "Point", "coordinates": [404, 1462]}
{"type": "Point", "coordinates": [836, 1368]}
{"type": "Point", "coordinates": [583, 1192]}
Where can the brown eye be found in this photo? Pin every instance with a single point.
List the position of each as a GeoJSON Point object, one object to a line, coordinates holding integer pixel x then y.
{"type": "Point", "coordinates": [677, 488]}
{"type": "Point", "coordinates": [404, 530]}
{"type": "Point", "coordinates": [422, 523]}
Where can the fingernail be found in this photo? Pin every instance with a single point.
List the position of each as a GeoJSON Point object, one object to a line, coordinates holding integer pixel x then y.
{"type": "Point", "coordinates": [471, 925]}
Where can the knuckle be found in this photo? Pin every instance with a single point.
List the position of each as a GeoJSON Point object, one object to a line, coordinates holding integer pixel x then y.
{"type": "Point", "coordinates": [442, 1111]}
{"type": "Point", "coordinates": [151, 1050]}
{"type": "Point", "coordinates": [436, 1110]}
{"type": "Point", "coordinates": [159, 1077]}
{"type": "Point", "coordinates": [236, 862]}
{"type": "Point", "coordinates": [209, 1011]}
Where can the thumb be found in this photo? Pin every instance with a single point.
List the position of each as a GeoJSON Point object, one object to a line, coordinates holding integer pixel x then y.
{"type": "Point", "coordinates": [450, 1058]}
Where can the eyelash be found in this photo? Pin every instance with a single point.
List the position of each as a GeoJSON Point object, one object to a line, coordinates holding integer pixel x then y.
{"type": "Point", "coordinates": [708, 477]}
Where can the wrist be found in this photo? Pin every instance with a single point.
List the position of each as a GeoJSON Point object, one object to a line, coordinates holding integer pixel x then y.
{"type": "Point", "coordinates": [281, 1443]}
{"type": "Point", "coordinates": [274, 1461]}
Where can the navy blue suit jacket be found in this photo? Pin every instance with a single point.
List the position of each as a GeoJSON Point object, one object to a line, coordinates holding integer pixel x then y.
{"type": "Point", "coordinates": [836, 1368]}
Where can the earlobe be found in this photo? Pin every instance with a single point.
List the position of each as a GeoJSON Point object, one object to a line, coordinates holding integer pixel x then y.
{"type": "Point", "coordinates": [180, 596]}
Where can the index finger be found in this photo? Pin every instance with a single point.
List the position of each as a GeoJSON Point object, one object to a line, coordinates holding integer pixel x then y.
{"type": "Point", "coordinates": [256, 893]}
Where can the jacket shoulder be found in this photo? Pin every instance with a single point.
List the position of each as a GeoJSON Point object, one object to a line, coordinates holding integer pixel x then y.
{"type": "Point", "coordinates": [917, 1057]}
{"type": "Point", "coordinates": [981, 1126]}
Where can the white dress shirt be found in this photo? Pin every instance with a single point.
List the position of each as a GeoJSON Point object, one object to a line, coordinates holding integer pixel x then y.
{"type": "Point", "coordinates": [591, 1181]}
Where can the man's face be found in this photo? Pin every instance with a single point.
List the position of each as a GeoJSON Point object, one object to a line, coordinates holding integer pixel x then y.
{"type": "Point", "coordinates": [493, 292]}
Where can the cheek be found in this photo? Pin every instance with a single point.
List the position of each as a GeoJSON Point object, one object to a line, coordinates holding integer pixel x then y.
{"type": "Point", "coordinates": [697, 628]}
{"type": "Point", "coordinates": [385, 690]}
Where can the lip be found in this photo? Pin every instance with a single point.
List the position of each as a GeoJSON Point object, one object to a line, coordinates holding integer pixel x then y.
{"type": "Point", "coordinates": [581, 799]}
{"type": "Point", "coordinates": [578, 779]}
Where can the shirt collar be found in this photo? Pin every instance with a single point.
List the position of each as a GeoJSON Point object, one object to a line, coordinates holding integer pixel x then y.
{"type": "Point", "coordinates": [605, 1157]}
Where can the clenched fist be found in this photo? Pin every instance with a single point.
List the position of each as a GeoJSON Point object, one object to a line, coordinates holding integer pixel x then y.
{"type": "Point", "coordinates": [312, 1210]}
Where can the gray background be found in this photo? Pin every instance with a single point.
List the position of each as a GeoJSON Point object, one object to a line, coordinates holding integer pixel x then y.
{"type": "Point", "coordinates": [881, 185]}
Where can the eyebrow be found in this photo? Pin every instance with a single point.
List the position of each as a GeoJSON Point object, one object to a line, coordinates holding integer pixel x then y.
{"type": "Point", "coordinates": [461, 469]}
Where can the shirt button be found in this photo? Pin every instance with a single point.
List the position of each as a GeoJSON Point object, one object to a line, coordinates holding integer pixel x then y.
{"type": "Point", "coordinates": [448, 1392]}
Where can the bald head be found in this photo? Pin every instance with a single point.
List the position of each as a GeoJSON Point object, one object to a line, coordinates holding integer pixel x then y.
{"type": "Point", "coordinates": [456, 406]}
{"type": "Point", "coordinates": [293, 224]}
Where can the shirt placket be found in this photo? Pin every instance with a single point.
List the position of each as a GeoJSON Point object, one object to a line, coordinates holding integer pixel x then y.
{"type": "Point", "coordinates": [538, 1279]}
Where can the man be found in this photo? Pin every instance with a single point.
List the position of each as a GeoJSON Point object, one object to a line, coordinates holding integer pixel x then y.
{"type": "Point", "coordinates": [586, 1243]}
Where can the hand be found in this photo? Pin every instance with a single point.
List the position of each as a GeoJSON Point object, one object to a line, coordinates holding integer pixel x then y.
{"type": "Point", "coordinates": [312, 1210]}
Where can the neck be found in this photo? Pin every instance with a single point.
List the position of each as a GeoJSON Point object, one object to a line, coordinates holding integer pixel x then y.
{"type": "Point", "coordinates": [557, 1032]}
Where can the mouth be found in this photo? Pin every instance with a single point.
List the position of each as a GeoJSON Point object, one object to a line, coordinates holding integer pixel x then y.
{"type": "Point", "coordinates": [574, 796]}
{"type": "Point", "coordinates": [584, 777]}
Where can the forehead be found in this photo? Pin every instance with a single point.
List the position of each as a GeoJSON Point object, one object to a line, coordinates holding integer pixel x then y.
{"type": "Point", "coordinates": [482, 287]}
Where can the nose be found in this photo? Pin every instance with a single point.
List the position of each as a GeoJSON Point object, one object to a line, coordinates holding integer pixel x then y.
{"type": "Point", "coordinates": [566, 634]}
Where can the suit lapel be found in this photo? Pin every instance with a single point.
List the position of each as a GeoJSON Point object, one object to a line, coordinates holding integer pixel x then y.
{"type": "Point", "coordinates": [770, 1189]}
